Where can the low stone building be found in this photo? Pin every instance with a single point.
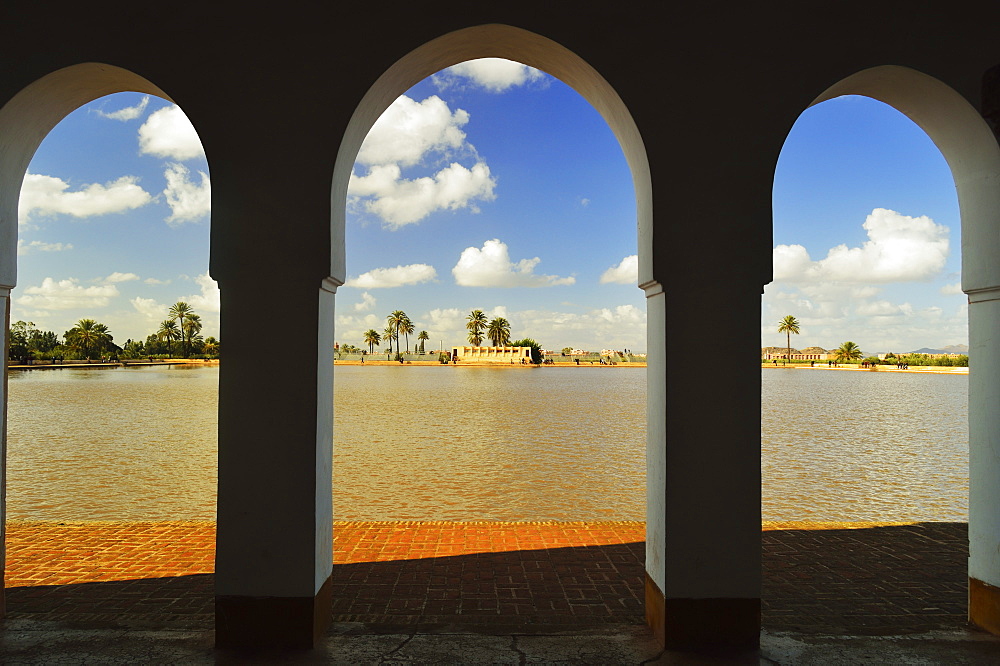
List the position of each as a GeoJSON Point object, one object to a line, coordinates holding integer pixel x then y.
{"type": "Point", "coordinates": [807, 354]}
{"type": "Point", "coordinates": [506, 355]}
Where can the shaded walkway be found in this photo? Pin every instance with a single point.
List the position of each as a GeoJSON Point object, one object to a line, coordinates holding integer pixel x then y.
{"type": "Point", "coordinates": [524, 576]}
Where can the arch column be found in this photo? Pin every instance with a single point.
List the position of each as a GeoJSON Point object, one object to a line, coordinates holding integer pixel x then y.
{"type": "Point", "coordinates": [270, 254]}
{"type": "Point", "coordinates": [984, 458]}
{"type": "Point", "coordinates": [5, 297]}
{"type": "Point", "coordinates": [274, 552]}
{"type": "Point", "coordinates": [703, 468]}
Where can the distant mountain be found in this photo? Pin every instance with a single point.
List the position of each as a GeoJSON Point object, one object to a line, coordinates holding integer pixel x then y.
{"type": "Point", "coordinates": [950, 349]}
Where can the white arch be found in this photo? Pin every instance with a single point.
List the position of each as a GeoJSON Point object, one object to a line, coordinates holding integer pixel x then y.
{"type": "Point", "coordinates": [28, 118]}
{"type": "Point", "coordinates": [968, 145]}
{"type": "Point", "coordinates": [970, 148]}
{"type": "Point", "coordinates": [504, 41]}
{"type": "Point", "coordinates": [495, 41]}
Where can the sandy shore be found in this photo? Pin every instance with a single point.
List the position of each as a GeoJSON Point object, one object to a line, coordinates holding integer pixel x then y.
{"type": "Point", "coordinates": [926, 369]}
{"type": "Point", "coordinates": [493, 365]}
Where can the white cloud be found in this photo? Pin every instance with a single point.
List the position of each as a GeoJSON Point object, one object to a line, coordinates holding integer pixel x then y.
{"type": "Point", "coordinates": [48, 195]}
{"type": "Point", "coordinates": [627, 272]}
{"type": "Point", "coordinates": [408, 134]}
{"type": "Point", "coordinates": [408, 130]}
{"type": "Point", "coordinates": [399, 201]}
{"type": "Point", "coordinates": [831, 313]}
{"type": "Point", "coordinates": [883, 308]}
{"type": "Point", "coordinates": [493, 74]}
{"type": "Point", "coordinates": [209, 299]}
{"type": "Point", "coordinates": [350, 329]}
{"type": "Point", "coordinates": [618, 327]}
{"type": "Point", "coordinates": [899, 248]}
{"type": "Point", "coordinates": [116, 278]}
{"type": "Point", "coordinates": [188, 200]}
{"type": "Point", "coordinates": [168, 133]}
{"type": "Point", "coordinates": [952, 289]}
{"type": "Point", "coordinates": [367, 303]}
{"type": "Point", "coordinates": [155, 281]}
{"type": "Point", "coordinates": [584, 202]}
{"type": "Point", "coordinates": [66, 295]}
{"type": "Point", "coordinates": [149, 308]}
{"type": "Point", "coordinates": [491, 267]}
{"type": "Point", "coordinates": [379, 278]}
{"type": "Point", "coordinates": [25, 248]}
{"type": "Point", "coordinates": [129, 112]}
{"type": "Point", "coordinates": [447, 319]}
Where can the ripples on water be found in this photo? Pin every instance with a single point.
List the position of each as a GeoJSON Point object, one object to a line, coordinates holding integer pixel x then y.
{"type": "Point", "coordinates": [846, 445]}
{"type": "Point", "coordinates": [112, 443]}
{"type": "Point", "coordinates": [479, 443]}
{"type": "Point", "coordinates": [445, 443]}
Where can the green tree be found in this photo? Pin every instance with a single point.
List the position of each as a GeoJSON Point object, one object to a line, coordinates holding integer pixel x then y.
{"type": "Point", "coordinates": [191, 330]}
{"type": "Point", "coordinates": [17, 338]}
{"type": "Point", "coordinates": [211, 346]}
{"type": "Point", "coordinates": [789, 325]}
{"type": "Point", "coordinates": [498, 331]}
{"type": "Point", "coordinates": [372, 339]}
{"type": "Point", "coordinates": [388, 335]}
{"type": "Point", "coordinates": [133, 349]}
{"type": "Point", "coordinates": [406, 327]}
{"type": "Point", "coordinates": [476, 323]}
{"type": "Point", "coordinates": [178, 312]}
{"type": "Point", "coordinates": [88, 338]}
{"type": "Point", "coordinates": [536, 349]}
{"type": "Point", "coordinates": [422, 337]}
{"type": "Point", "coordinates": [394, 323]}
{"type": "Point", "coordinates": [168, 332]}
{"type": "Point", "coordinates": [43, 341]}
{"type": "Point", "coordinates": [847, 352]}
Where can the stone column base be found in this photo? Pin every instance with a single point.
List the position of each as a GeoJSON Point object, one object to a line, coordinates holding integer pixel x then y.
{"type": "Point", "coordinates": [273, 622]}
{"type": "Point", "coordinates": [984, 606]}
{"type": "Point", "coordinates": [692, 624]}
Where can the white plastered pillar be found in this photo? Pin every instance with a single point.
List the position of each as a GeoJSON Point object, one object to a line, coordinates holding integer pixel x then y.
{"type": "Point", "coordinates": [5, 297]}
{"type": "Point", "coordinates": [984, 458]}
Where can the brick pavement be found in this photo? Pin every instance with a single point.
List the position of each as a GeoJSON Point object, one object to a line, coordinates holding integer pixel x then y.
{"type": "Point", "coordinates": [878, 580]}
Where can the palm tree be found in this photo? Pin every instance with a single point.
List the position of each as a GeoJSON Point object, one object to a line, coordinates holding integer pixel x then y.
{"type": "Point", "coordinates": [388, 335]}
{"type": "Point", "coordinates": [88, 336]}
{"type": "Point", "coordinates": [847, 352]}
{"type": "Point", "coordinates": [168, 331]}
{"type": "Point", "coordinates": [190, 329]}
{"type": "Point", "coordinates": [421, 337]}
{"type": "Point", "coordinates": [372, 338]}
{"type": "Point", "coordinates": [396, 321]}
{"type": "Point", "coordinates": [476, 325]}
{"type": "Point", "coordinates": [499, 332]}
{"type": "Point", "coordinates": [788, 325]}
{"type": "Point", "coordinates": [406, 327]}
{"type": "Point", "coordinates": [179, 311]}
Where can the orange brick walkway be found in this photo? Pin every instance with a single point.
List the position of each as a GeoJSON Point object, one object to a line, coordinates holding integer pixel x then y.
{"type": "Point", "coordinates": [877, 580]}
{"type": "Point", "coordinates": [90, 552]}
{"type": "Point", "coordinates": [384, 571]}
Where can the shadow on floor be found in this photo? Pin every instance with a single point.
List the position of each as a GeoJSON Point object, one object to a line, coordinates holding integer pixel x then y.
{"type": "Point", "coordinates": [874, 581]}
{"type": "Point", "coordinates": [870, 581]}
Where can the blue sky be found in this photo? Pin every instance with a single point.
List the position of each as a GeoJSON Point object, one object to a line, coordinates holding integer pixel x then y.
{"type": "Point", "coordinates": [866, 234]}
{"type": "Point", "coordinates": [493, 186]}
{"type": "Point", "coordinates": [114, 221]}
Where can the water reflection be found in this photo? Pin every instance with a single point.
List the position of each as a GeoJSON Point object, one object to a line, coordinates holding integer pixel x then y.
{"type": "Point", "coordinates": [445, 443]}
{"type": "Point", "coordinates": [840, 445]}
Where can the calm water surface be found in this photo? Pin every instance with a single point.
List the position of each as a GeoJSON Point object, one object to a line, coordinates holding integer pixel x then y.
{"type": "Point", "coordinates": [845, 445]}
{"type": "Point", "coordinates": [444, 443]}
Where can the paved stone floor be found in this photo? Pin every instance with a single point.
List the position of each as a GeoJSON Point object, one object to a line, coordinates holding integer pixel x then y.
{"type": "Point", "coordinates": [878, 580]}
